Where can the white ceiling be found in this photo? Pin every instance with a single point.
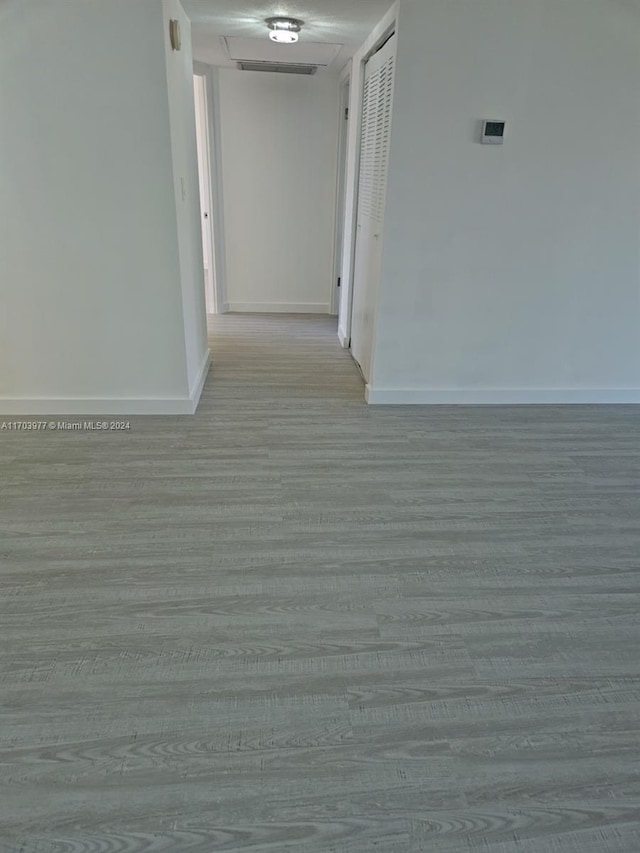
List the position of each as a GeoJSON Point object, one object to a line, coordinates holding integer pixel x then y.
{"type": "Point", "coordinates": [342, 22]}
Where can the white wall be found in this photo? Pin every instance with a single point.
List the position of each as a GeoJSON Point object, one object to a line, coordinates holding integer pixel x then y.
{"type": "Point", "coordinates": [90, 284]}
{"type": "Point", "coordinates": [279, 161]}
{"type": "Point", "coordinates": [187, 192]}
{"type": "Point", "coordinates": [512, 274]}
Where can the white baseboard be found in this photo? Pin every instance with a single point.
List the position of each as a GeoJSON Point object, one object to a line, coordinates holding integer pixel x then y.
{"type": "Point", "coordinates": [500, 397]}
{"type": "Point", "coordinates": [279, 307]}
{"type": "Point", "coordinates": [108, 406]}
{"type": "Point", "coordinates": [21, 406]}
{"type": "Point", "coordinates": [201, 378]}
{"type": "Point", "coordinates": [345, 340]}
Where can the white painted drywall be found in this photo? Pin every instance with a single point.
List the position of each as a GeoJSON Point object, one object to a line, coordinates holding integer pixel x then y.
{"type": "Point", "coordinates": [512, 273]}
{"type": "Point", "coordinates": [356, 86]}
{"type": "Point", "coordinates": [187, 191]}
{"type": "Point", "coordinates": [92, 308]}
{"type": "Point", "coordinates": [279, 161]}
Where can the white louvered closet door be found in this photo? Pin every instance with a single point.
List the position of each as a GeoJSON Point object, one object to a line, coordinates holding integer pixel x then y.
{"type": "Point", "coordinates": [372, 192]}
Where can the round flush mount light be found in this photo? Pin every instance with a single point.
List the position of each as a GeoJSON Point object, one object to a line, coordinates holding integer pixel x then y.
{"type": "Point", "coordinates": [284, 30]}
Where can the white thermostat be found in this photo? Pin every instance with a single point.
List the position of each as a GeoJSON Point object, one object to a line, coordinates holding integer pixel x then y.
{"type": "Point", "coordinates": [493, 132]}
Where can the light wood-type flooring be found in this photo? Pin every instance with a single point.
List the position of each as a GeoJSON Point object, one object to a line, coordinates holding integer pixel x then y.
{"type": "Point", "coordinates": [297, 624]}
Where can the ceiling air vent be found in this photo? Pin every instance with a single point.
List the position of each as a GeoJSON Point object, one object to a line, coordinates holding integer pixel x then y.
{"type": "Point", "coordinates": [278, 67]}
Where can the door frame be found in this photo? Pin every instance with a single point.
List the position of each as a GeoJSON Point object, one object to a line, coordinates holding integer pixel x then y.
{"type": "Point", "coordinates": [215, 201]}
{"type": "Point", "coordinates": [202, 140]}
{"type": "Point", "coordinates": [341, 191]}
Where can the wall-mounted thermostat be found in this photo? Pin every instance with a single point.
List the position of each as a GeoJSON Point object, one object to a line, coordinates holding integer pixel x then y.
{"type": "Point", "coordinates": [493, 132]}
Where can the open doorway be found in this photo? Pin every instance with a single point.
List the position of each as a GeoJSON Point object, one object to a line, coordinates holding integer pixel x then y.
{"type": "Point", "coordinates": [283, 170]}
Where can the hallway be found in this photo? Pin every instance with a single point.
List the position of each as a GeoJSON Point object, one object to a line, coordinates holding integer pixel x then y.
{"type": "Point", "coordinates": [297, 624]}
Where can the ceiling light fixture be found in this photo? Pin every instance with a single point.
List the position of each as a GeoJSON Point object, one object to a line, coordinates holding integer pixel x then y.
{"type": "Point", "coordinates": [284, 30]}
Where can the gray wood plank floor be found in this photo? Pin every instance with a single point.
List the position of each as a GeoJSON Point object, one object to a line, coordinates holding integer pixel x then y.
{"type": "Point", "coordinates": [295, 623]}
